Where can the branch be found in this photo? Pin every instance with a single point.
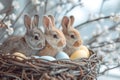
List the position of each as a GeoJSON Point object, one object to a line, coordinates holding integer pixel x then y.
{"type": "Point", "coordinates": [7, 5]}
{"type": "Point", "coordinates": [89, 21]}
{"type": "Point", "coordinates": [117, 40]}
{"type": "Point", "coordinates": [45, 9]}
{"type": "Point", "coordinates": [7, 12]}
{"type": "Point", "coordinates": [49, 9]}
{"type": "Point", "coordinates": [94, 38]}
{"type": "Point", "coordinates": [73, 7]}
{"type": "Point", "coordinates": [21, 13]}
{"type": "Point", "coordinates": [101, 73]}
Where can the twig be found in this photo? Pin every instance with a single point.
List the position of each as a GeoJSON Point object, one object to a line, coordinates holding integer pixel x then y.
{"type": "Point", "coordinates": [89, 21]}
{"type": "Point", "coordinates": [73, 7]}
{"type": "Point", "coordinates": [61, 3]}
{"type": "Point", "coordinates": [40, 69]}
{"type": "Point", "coordinates": [21, 13]}
{"type": "Point", "coordinates": [7, 12]}
{"type": "Point", "coordinates": [117, 40]}
{"type": "Point", "coordinates": [58, 71]}
{"type": "Point", "coordinates": [45, 9]}
{"type": "Point", "coordinates": [10, 75]}
{"type": "Point", "coordinates": [108, 69]}
{"type": "Point", "coordinates": [94, 38]}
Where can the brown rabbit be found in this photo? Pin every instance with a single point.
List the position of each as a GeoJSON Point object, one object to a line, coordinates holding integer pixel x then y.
{"type": "Point", "coordinates": [72, 35]}
{"type": "Point", "coordinates": [30, 43]}
{"type": "Point", "coordinates": [55, 39]}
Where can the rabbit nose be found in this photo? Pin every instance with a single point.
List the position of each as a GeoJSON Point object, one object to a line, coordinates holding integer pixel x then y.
{"type": "Point", "coordinates": [77, 43]}
{"type": "Point", "coordinates": [61, 43]}
{"type": "Point", "coordinates": [41, 46]}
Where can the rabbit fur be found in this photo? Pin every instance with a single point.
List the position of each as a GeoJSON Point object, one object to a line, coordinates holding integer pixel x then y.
{"type": "Point", "coordinates": [30, 43]}
{"type": "Point", "coordinates": [55, 39]}
{"type": "Point", "coordinates": [73, 39]}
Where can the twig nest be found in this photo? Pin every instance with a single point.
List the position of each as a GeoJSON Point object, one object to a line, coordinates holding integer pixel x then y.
{"type": "Point", "coordinates": [61, 55]}
{"type": "Point", "coordinates": [19, 56]}
{"type": "Point", "coordinates": [39, 69]}
{"type": "Point", "coordinates": [83, 52]}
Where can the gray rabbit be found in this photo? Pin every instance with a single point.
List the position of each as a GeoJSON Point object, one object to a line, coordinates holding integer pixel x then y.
{"type": "Point", "coordinates": [30, 43]}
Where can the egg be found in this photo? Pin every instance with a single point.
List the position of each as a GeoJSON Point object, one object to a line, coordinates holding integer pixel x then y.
{"type": "Point", "coordinates": [79, 54]}
{"type": "Point", "coordinates": [82, 47]}
{"type": "Point", "coordinates": [36, 57]}
{"type": "Point", "coordinates": [48, 58]}
{"type": "Point", "coordinates": [61, 55]}
{"type": "Point", "coordinates": [19, 56]}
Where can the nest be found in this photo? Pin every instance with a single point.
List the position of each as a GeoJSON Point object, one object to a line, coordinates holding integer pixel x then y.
{"type": "Point", "coordinates": [37, 69]}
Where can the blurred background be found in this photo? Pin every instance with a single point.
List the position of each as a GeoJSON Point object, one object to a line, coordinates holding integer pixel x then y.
{"type": "Point", "coordinates": [98, 22]}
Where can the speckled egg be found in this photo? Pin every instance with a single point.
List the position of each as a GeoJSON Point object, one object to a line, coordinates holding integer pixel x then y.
{"type": "Point", "coordinates": [79, 54]}
{"type": "Point", "coordinates": [48, 58]}
{"type": "Point", "coordinates": [61, 55]}
{"type": "Point", "coordinates": [19, 56]}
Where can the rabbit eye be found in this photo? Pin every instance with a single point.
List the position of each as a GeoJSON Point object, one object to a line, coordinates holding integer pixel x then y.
{"type": "Point", "coordinates": [55, 36]}
{"type": "Point", "coordinates": [36, 37]}
{"type": "Point", "coordinates": [72, 36]}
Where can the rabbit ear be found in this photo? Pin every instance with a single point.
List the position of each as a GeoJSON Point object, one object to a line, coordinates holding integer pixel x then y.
{"type": "Point", "coordinates": [35, 21]}
{"type": "Point", "coordinates": [65, 22]}
{"type": "Point", "coordinates": [47, 23]}
{"type": "Point", "coordinates": [52, 19]}
{"type": "Point", "coordinates": [72, 19]}
{"type": "Point", "coordinates": [27, 21]}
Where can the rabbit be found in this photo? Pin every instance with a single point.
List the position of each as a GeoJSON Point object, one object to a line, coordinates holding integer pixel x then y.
{"type": "Point", "coordinates": [55, 39]}
{"type": "Point", "coordinates": [30, 43]}
{"type": "Point", "coordinates": [73, 38]}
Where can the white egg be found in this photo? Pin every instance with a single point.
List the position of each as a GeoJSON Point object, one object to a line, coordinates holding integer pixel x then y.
{"type": "Point", "coordinates": [61, 55]}
{"type": "Point", "coordinates": [36, 57]}
{"type": "Point", "coordinates": [48, 58]}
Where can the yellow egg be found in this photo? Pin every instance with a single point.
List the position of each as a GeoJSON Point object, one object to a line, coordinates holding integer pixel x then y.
{"type": "Point", "coordinates": [79, 54]}
{"type": "Point", "coordinates": [82, 47]}
{"type": "Point", "coordinates": [19, 56]}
